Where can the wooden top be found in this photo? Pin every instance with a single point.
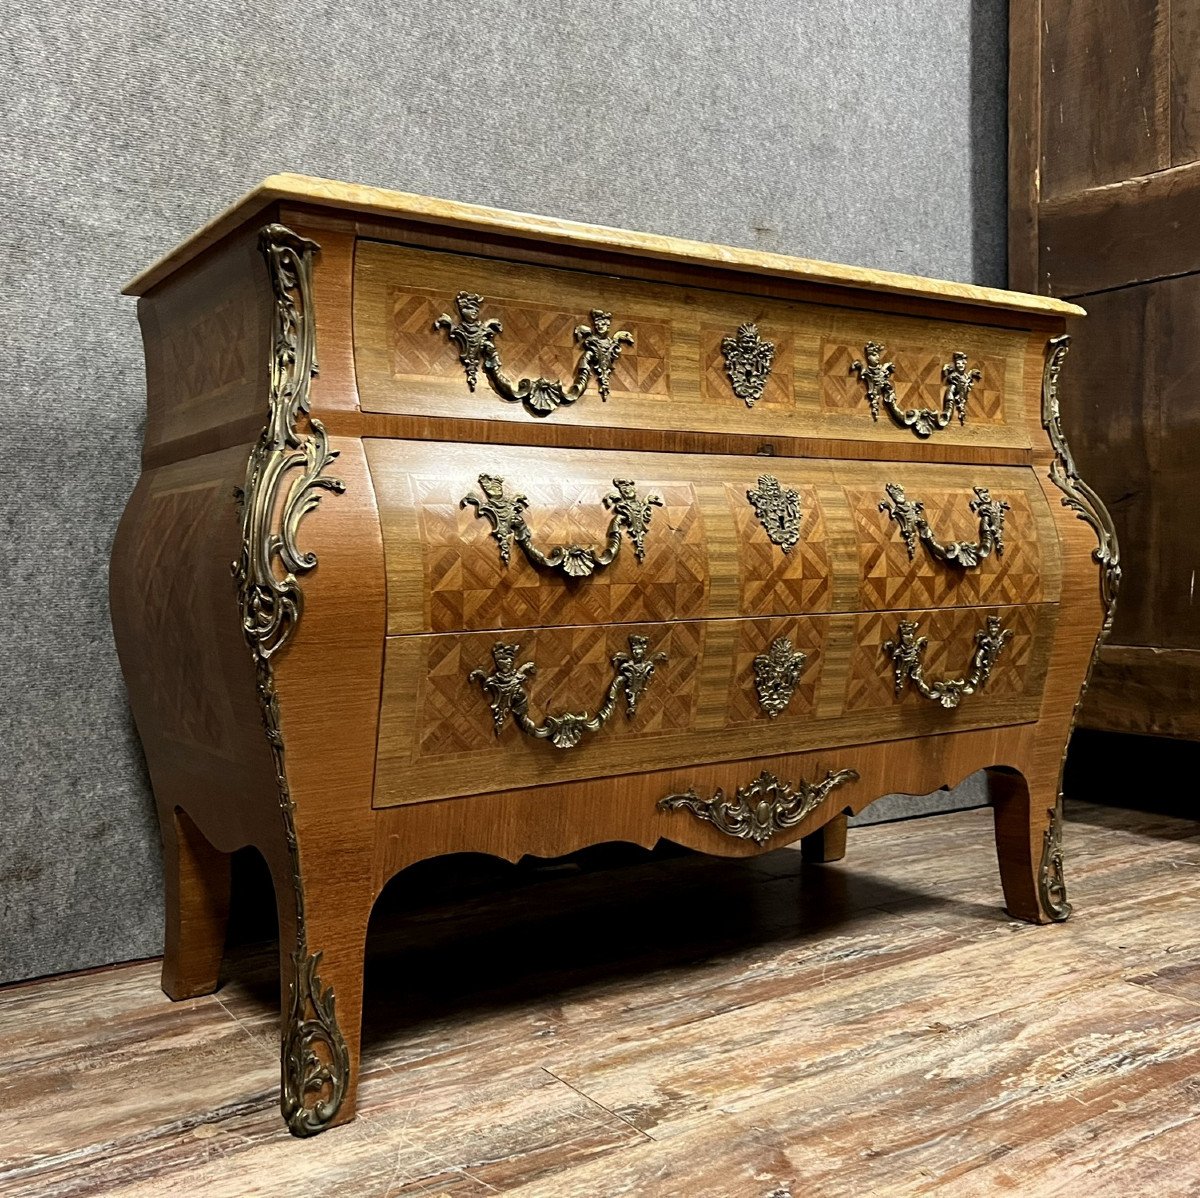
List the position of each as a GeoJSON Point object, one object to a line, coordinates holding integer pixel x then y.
{"type": "Point", "coordinates": [377, 201]}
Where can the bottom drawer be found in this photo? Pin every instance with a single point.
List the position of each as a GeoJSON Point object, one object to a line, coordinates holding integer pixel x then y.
{"type": "Point", "coordinates": [468, 713]}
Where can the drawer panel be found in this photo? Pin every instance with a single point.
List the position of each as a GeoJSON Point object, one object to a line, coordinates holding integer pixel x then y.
{"type": "Point", "coordinates": [828, 679]}
{"type": "Point", "coordinates": [952, 507]}
{"type": "Point", "coordinates": [672, 371]}
{"type": "Point", "coordinates": [708, 552]}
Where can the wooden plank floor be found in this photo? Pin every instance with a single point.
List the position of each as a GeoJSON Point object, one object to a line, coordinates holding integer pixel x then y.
{"type": "Point", "coordinates": [672, 1025]}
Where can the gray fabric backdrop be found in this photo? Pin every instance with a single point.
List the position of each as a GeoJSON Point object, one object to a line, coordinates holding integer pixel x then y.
{"type": "Point", "coordinates": [846, 129]}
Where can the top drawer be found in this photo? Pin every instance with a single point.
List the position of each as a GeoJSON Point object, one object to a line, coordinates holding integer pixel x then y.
{"type": "Point", "coordinates": [537, 344]}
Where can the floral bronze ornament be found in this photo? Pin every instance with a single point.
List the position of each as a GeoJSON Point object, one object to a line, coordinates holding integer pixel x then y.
{"type": "Point", "coordinates": [748, 360]}
{"type": "Point", "coordinates": [505, 688]}
{"type": "Point", "coordinates": [908, 648]}
{"type": "Point", "coordinates": [315, 1061]}
{"type": "Point", "coordinates": [630, 514]}
{"type": "Point", "coordinates": [1087, 505]}
{"type": "Point", "coordinates": [776, 675]}
{"type": "Point", "coordinates": [910, 515]}
{"type": "Point", "coordinates": [959, 380]}
{"type": "Point", "coordinates": [757, 811]}
{"type": "Point", "coordinates": [876, 376]}
{"type": "Point", "coordinates": [778, 510]}
{"type": "Point", "coordinates": [1052, 882]}
{"type": "Point", "coordinates": [475, 340]}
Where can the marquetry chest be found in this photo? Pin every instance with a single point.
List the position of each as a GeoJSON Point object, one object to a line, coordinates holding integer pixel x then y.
{"type": "Point", "coordinates": [462, 530]}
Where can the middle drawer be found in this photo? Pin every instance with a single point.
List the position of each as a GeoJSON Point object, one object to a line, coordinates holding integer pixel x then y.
{"type": "Point", "coordinates": [484, 537]}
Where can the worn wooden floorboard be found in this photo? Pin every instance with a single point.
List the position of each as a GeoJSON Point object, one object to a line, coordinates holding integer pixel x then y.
{"type": "Point", "coordinates": [671, 1025]}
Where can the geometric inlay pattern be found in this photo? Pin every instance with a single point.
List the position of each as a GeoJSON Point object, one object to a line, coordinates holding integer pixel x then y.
{"type": "Point", "coordinates": [917, 379]}
{"type": "Point", "coordinates": [203, 715]}
{"type": "Point", "coordinates": [951, 635]}
{"type": "Point", "coordinates": [207, 354]}
{"type": "Point", "coordinates": [807, 635]}
{"type": "Point", "coordinates": [714, 380]}
{"type": "Point", "coordinates": [574, 671]}
{"type": "Point", "coordinates": [537, 342]}
{"type": "Point", "coordinates": [889, 579]}
{"type": "Point", "coordinates": [774, 582]}
{"type": "Point", "coordinates": [469, 587]}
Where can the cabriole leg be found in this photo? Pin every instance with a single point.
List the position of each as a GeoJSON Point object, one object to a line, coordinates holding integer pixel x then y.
{"type": "Point", "coordinates": [197, 907]}
{"type": "Point", "coordinates": [1029, 848]}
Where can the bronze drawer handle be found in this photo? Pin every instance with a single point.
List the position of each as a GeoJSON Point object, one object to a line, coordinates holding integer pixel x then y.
{"type": "Point", "coordinates": [476, 343]}
{"type": "Point", "coordinates": [630, 514]}
{"type": "Point", "coordinates": [907, 649]}
{"type": "Point", "coordinates": [757, 811]}
{"type": "Point", "coordinates": [910, 515]}
{"type": "Point", "coordinates": [876, 376]}
{"type": "Point", "coordinates": [506, 690]}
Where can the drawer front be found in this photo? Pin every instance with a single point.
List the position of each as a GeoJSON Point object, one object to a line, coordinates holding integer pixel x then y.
{"type": "Point", "coordinates": [465, 713]}
{"type": "Point", "coordinates": [717, 537]}
{"type": "Point", "coordinates": [673, 357]}
{"type": "Point", "coordinates": [949, 536]}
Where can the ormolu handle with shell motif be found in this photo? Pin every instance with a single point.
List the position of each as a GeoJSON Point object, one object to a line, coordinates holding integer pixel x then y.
{"type": "Point", "coordinates": [505, 688]}
{"type": "Point", "coordinates": [910, 515]}
{"type": "Point", "coordinates": [876, 376]}
{"type": "Point", "coordinates": [475, 340]}
{"type": "Point", "coordinates": [630, 514]}
{"type": "Point", "coordinates": [907, 650]}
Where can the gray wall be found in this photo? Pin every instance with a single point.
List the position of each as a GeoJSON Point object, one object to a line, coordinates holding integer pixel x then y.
{"type": "Point", "coordinates": [846, 129]}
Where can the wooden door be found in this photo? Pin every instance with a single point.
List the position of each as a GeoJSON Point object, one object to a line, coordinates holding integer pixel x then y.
{"type": "Point", "coordinates": [1104, 209]}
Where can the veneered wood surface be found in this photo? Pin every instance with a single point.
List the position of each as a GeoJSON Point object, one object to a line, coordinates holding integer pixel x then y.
{"type": "Point", "coordinates": [531, 1031]}
{"type": "Point", "coordinates": [670, 378]}
{"type": "Point", "coordinates": [174, 604]}
{"type": "Point", "coordinates": [436, 736]}
{"type": "Point", "coordinates": [1105, 92]}
{"type": "Point", "coordinates": [207, 345]}
{"type": "Point", "coordinates": [707, 554]}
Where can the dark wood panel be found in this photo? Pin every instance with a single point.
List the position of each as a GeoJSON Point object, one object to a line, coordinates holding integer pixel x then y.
{"type": "Point", "coordinates": [1130, 412]}
{"type": "Point", "coordinates": [1103, 406]}
{"type": "Point", "coordinates": [1110, 220]}
{"type": "Point", "coordinates": [1104, 104]}
{"type": "Point", "coordinates": [1185, 81]}
{"type": "Point", "coordinates": [1024, 117]}
{"type": "Point", "coordinates": [1173, 421]}
{"type": "Point", "coordinates": [1130, 232]}
{"type": "Point", "coordinates": [1136, 688]}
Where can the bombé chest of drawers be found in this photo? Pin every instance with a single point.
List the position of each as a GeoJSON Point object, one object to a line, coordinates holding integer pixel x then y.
{"type": "Point", "coordinates": [461, 530]}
